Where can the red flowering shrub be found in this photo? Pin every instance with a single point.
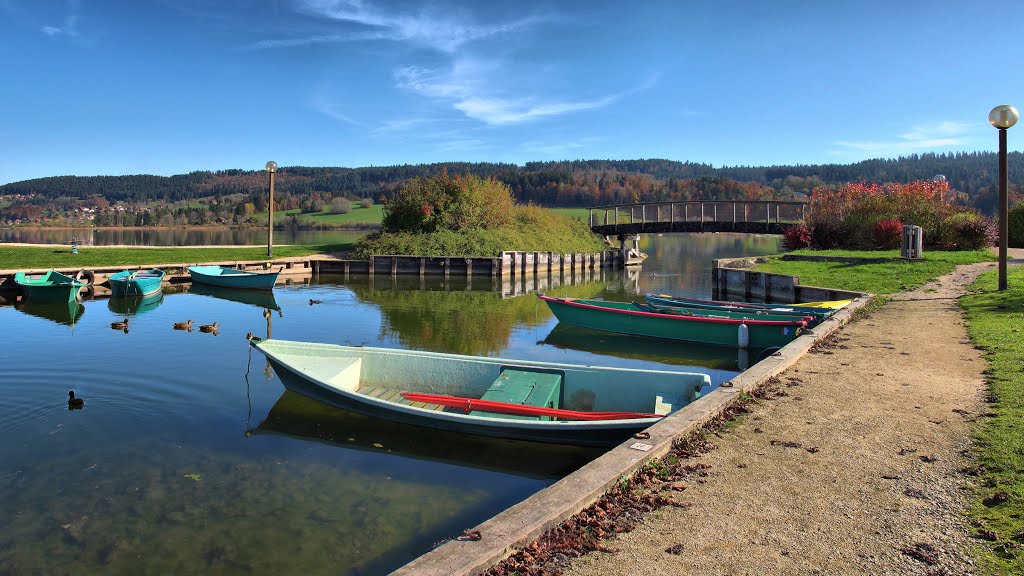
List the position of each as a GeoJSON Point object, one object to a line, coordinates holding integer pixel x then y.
{"type": "Point", "coordinates": [850, 215]}
{"type": "Point", "coordinates": [798, 236]}
{"type": "Point", "coordinates": [886, 234]}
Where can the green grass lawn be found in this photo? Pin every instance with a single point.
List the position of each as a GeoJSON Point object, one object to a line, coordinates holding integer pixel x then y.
{"type": "Point", "coordinates": [579, 213]}
{"type": "Point", "coordinates": [878, 278]}
{"type": "Point", "coordinates": [995, 323]}
{"type": "Point", "coordinates": [24, 257]}
{"type": "Point", "coordinates": [372, 215]}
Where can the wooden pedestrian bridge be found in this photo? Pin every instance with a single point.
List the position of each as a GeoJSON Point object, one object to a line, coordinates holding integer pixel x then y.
{"type": "Point", "coordinates": [747, 216]}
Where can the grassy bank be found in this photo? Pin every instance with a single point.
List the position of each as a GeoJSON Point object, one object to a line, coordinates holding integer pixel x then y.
{"type": "Point", "coordinates": [24, 257]}
{"type": "Point", "coordinates": [533, 229]}
{"type": "Point", "coordinates": [894, 275]}
{"type": "Point", "coordinates": [359, 217]}
{"type": "Point", "coordinates": [372, 216]}
{"type": "Point", "coordinates": [995, 324]}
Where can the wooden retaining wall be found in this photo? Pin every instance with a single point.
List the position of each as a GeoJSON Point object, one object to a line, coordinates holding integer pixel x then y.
{"type": "Point", "coordinates": [516, 270]}
{"type": "Point", "coordinates": [732, 283]}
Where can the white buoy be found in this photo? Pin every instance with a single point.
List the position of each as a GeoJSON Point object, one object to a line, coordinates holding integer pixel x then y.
{"type": "Point", "coordinates": [743, 336]}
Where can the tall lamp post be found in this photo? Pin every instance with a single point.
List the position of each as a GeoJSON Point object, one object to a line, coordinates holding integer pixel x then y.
{"type": "Point", "coordinates": [271, 169]}
{"type": "Point", "coordinates": [1003, 117]}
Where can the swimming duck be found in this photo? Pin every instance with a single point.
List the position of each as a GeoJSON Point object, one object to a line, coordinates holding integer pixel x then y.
{"type": "Point", "coordinates": [74, 402]}
{"type": "Point", "coordinates": [311, 301]}
{"type": "Point", "coordinates": [209, 328]}
{"type": "Point", "coordinates": [183, 325]}
{"type": "Point", "coordinates": [120, 325]}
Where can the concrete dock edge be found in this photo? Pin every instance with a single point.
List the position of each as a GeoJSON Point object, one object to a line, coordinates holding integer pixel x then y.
{"type": "Point", "coordinates": [521, 524]}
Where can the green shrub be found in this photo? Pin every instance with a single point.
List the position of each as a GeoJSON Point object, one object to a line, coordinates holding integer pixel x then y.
{"type": "Point", "coordinates": [366, 202]}
{"type": "Point", "coordinates": [532, 229]}
{"type": "Point", "coordinates": [341, 206]}
{"type": "Point", "coordinates": [966, 231]}
{"type": "Point", "coordinates": [1016, 218]}
{"type": "Point", "coordinates": [449, 203]}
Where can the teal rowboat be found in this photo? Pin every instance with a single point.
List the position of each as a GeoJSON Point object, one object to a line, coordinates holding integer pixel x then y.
{"type": "Point", "coordinates": [520, 399]}
{"type": "Point", "coordinates": [136, 282]}
{"type": "Point", "coordinates": [50, 287]}
{"type": "Point", "coordinates": [818, 313]}
{"type": "Point", "coordinates": [628, 318]}
{"type": "Point", "coordinates": [738, 313]}
{"type": "Point", "coordinates": [233, 278]}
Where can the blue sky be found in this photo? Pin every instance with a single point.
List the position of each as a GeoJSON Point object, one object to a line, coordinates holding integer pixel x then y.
{"type": "Point", "coordinates": [172, 86]}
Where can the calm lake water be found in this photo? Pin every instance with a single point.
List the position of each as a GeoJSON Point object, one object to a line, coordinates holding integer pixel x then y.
{"type": "Point", "coordinates": [174, 236]}
{"type": "Point", "coordinates": [190, 457]}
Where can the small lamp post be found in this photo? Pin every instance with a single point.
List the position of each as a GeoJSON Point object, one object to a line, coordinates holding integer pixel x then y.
{"type": "Point", "coordinates": [271, 169]}
{"type": "Point", "coordinates": [1003, 117]}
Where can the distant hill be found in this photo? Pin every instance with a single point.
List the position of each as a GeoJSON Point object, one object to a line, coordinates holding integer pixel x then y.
{"type": "Point", "coordinates": [566, 183]}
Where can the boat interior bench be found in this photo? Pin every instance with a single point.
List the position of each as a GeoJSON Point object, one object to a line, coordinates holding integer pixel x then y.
{"type": "Point", "coordinates": [527, 386]}
{"type": "Point", "coordinates": [524, 385]}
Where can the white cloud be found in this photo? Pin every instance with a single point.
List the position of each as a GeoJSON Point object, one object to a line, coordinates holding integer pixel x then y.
{"type": "Point", "coordinates": [498, 111]}
{"type": "Point", "coordinates": [467, 88]}
{"type": "Point", "coordinates": [332, 110]}
{"type": "Point", "coordinates": [920, 138]}
{"type": "Point", "coordinates": [70, 27]}
{"type": "Point", "coordinates": [442, 32]}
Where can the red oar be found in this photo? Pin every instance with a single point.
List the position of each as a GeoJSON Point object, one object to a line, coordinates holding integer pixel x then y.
{"type": "Point", "coordinates": [470, 404]}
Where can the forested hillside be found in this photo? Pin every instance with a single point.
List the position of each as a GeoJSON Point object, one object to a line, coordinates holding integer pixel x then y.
{"type": "Point", "coordinates": [566, 183]}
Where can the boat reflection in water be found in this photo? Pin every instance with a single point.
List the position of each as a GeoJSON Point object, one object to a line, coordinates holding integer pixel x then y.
{"type": "Point", "coordinates": [300, 416]}
{"type": "Point", "coordinates": [66, 313]}
{"type": "Point", "coordinates": [259, 298]}
{"type": "Point", "coordinates": [134, 305]}
{"type": "Point", "coordinates": [673, 352]}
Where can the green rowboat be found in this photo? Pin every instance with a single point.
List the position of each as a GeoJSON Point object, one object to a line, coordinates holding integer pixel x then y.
{"type": "Point", "coordinates": [818, 312]}
{"type": "Point", "coordinates": [49, 288]}
{"type": "Point", "coordinates": [523, 399]}
{"type": "Point", "coordinates": [628, 318]}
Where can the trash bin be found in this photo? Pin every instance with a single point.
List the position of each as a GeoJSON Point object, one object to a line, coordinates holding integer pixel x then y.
{"type": "Point", "coordinates": [911, 241]}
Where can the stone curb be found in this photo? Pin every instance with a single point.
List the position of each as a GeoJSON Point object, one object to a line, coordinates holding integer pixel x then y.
{"type": "Point", "coordinates": [525, 522]}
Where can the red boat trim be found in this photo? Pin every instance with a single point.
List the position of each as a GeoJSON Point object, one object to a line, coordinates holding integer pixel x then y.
{"type": "Point", "coordinates": [677, 317]}
{"type": "Point", "coordinates": [470, 404]}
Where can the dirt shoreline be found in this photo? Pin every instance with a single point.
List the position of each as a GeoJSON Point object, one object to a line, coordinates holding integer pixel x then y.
{"type": "Point", "coordinates": [850, 467]}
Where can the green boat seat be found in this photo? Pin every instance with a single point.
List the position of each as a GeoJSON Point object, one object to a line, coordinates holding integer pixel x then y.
{"type": "Point", "coordinates": [526, 386]}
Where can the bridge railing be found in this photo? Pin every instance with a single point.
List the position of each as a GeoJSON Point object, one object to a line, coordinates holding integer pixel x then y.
{"type": "Point", "coordinates": [764, 211]}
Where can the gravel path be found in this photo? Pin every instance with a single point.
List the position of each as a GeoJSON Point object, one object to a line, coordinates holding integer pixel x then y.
{"type": "Point", "coordinates": [850, 467]}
